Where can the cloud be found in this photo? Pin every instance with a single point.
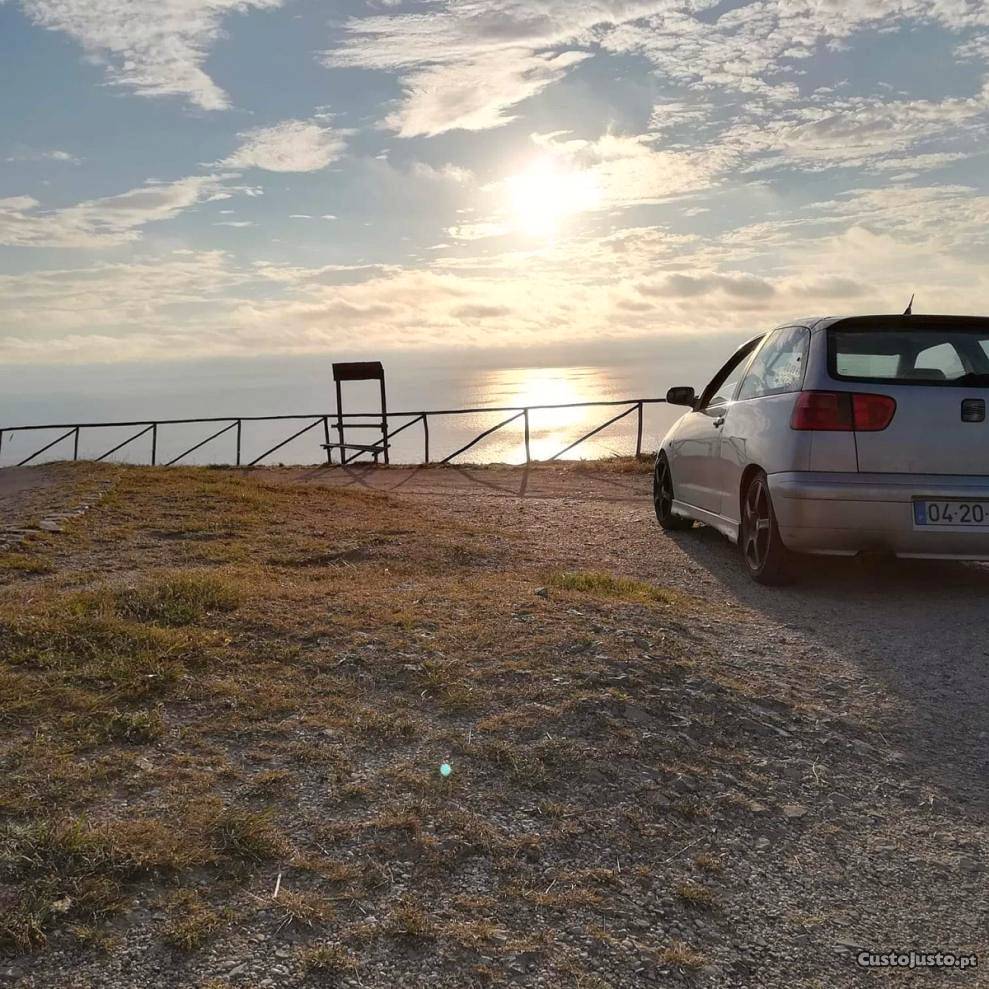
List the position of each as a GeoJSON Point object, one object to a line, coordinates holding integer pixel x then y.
{"type": "Point", "coordinates": [689, 286]}
{"type": "Point", "coordinates": [860, 132]}
{"type": "Point", "coordinates": [477, 312]}
{"type": "Point", "coordinates": [290, 146]}
{"type": "Point", "coordinates": [475, 95]}
{"type": "Point", "coordinates": [153, 47]}
{"type": "Point", "coordinates": [64, 157]}
{"type": "Point", "coordinates": [105, 222]}
{"type": "Point", "coordinates": [631, 170]}
{"type": "Point", "coordinates": [478, 231]}
{"type": "Point", "coordinates": [465, 65]}
{"type": "Point", "coordinates": [849, 254]}
{"type": "Point", "coordinates": [738, 80]}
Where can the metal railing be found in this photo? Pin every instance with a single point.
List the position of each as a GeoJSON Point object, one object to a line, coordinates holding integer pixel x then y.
{"type": "Point", "coordinates": [341, 422]}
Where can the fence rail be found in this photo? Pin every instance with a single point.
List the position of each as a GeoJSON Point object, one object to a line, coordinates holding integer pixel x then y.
{"type": "Point", "coordinates": [341, 423]}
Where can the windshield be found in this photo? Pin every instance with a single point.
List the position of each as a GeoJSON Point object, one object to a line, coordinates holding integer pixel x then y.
{"type": "Point", "coordinates": [948, 352]}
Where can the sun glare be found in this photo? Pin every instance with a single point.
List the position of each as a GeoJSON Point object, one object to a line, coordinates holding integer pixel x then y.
{"type": "Point", "coordinates": [543, 197]}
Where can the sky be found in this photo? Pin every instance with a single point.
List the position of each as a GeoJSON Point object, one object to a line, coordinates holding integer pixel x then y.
{"type": "Point", "coordinates": [190, 179]}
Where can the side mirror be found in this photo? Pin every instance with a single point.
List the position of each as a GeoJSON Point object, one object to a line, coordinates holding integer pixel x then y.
{"type": "Point", "coordinates": [681, 396]}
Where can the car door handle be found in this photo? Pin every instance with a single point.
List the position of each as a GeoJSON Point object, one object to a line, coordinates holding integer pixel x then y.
{"type": "Point", "coordinates": [719, 422]}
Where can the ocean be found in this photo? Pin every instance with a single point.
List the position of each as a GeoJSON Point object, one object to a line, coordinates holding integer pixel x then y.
{"type": "Point", "coordinates": [302, 384]}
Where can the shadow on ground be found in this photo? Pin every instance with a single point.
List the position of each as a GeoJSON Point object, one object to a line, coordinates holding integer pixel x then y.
{"type": "Point", "coordinates": [539, 482]}
{"type": "Point", "coordinates": [917, 626]}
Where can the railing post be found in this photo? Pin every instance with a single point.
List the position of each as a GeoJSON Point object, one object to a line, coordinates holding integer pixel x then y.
{"type": "Point", "coordinates": [425, 435]}
{"type": "Point", "coordinates": [528, 455]}
{"type": "Point", "coordinates": [343, 449]}
{"type": "Point", "coordinates": [638, 435]}
{"type": "Point", "coordinates": [326, 437]}
{"type": "Point", "coordinates": [1, 441]}
{"type": "Point", "coordinates": [154, 444]}
{"type": "Point", "coordinates": [75, 445]}
{"type": "Point", "coordinates": [240, 424]}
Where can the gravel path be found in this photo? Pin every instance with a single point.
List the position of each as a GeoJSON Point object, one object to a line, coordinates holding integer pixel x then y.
{"type": "Point", "coordinates": [16, 482]}
{"type": "Point", "coordinates": [42, 498]}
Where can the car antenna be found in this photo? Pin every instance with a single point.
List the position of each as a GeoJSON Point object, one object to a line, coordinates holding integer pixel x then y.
{"type": "Point", "coordinates": [909, 310]}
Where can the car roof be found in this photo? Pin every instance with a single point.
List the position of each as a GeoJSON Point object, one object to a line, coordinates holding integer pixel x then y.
{"type": "Point", "coordinates": [890, 321]}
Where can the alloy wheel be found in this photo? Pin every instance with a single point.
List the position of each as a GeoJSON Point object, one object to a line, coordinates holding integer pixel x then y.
{"type": "Point", "coordinates": [662, 491]}
{"type": "Point", "coordinates": [757, 521]}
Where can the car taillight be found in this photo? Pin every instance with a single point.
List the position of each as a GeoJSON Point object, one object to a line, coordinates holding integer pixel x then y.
{"type": "Point", "coordinates": [842, 411]}
{"type": "Point", "coordinates": [872, 412]}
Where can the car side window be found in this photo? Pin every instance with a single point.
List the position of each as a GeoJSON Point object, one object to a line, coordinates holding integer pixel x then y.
{"type": "Point", "coordinates": [779, 366]}
{"type": "Point", "coordinates": [725, 392]}
{"type": "Point", "coordinates": [722, 387]}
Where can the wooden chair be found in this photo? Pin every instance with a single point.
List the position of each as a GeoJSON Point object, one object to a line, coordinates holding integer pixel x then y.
{"type": "Point", "coordinates": [359, 371]}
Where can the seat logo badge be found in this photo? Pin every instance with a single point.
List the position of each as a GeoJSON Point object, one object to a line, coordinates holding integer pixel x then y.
{"type": "Point", "coordinates": [974, 410]}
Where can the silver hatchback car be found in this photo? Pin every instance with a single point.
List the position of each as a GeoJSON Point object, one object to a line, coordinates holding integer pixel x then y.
{"type": "Point", "coordinates": [838, 437]}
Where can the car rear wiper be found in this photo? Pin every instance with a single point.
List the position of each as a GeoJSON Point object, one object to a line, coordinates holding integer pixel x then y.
{"type": "Point", "coordinates": [977, 380]}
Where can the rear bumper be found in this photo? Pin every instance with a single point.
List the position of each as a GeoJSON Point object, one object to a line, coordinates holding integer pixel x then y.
{"type": "Point", "coordinates": [843, 514]}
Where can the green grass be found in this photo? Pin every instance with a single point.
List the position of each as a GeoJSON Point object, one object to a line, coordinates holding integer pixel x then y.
{"type": "Point", "coordinates": [181, 598]}
{"type": "Point", "coordinates": [98, 652]}
{"type": "Point", "coordinates": [609, 586]}
{"type": "Point", "coordinates": [24, 563]}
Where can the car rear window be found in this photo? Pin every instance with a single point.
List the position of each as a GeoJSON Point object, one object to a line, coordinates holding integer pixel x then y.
{"type": "Point", "coordinates": [933, 353]}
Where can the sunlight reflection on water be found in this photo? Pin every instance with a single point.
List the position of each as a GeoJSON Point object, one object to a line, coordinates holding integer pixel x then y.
{"type": "Point", "coordinates": [551, 430]}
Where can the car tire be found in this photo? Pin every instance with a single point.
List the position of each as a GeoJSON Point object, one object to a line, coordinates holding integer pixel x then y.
{"type": "Point", "coordinates": [767, 560]}
{"type": "Point", "coordinates": [662, 497]}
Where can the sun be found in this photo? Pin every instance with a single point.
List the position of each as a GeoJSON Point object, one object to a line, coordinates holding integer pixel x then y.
{"type": "Point", "coordinates": [544, 196]}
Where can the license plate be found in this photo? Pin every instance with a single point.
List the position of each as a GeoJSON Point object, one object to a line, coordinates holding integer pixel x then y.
{"type": "Point", "coordinates": [955, 513]}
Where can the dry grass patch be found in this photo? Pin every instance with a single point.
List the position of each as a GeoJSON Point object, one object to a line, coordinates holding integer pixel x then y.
{"type": "Point", "coordinates": [709, 863]}
{"type": "Point", "coordinates": [269, 784]}
{"type": "Point", "coordinates": [81, 869]}
{"type": "Point", "coordinates": [560, 897]}
{"type": "Point", "coordinates": [302, 908]}
{"type": "Point", "coordinates": [696, 895]}
{"type": "Point", "coordinates": [192, 920]}
{"type": "Point", "coordinates": [73, 868]}
{"type": "Point", "coordinates": [605, 585]}
{"type": "Point", "coordinates": [328, 960]}
{"type": "Point", "coordinates": [681, 955]}
{"type": "Point", "coordinates": [132, 727]}
{"type": "Point", "coordinates": [354, 648]}
{"type": "Point", "coordinates": [408, 918]}
{"type": "Point", "coordinates": [238, 833]}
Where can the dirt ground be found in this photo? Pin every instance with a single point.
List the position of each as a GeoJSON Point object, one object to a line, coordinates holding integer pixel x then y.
{"type": "Point", "coordinates": [661, 773]}
{"type": "Point", "coordinates": [914, 630]}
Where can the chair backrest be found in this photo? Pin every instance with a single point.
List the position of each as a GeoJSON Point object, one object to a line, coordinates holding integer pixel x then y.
{"type": "Point", "coordinates": [359, 371]}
